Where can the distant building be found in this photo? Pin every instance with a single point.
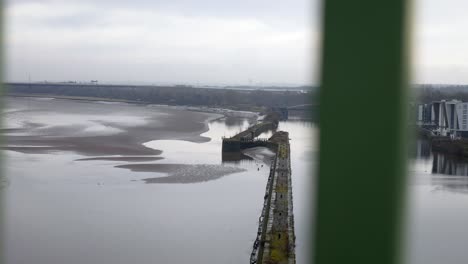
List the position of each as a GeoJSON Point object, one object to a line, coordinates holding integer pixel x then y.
{"type": "Point", "coordinates": [462, 117]}
{"type": "Point", "coordinates": [424, 115]}
{"type": "Point", "coordinates": [444, 118]}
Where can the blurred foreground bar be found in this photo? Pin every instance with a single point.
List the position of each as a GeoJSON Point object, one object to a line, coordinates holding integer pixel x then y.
{"type": "Point", "coordinates": [362, 170]}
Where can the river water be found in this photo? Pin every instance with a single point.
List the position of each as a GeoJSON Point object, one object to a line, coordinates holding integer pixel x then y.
{"type": "Point", "coordinates": [438, 208]}
{"type": "Point", "coordinates": [62, 210]}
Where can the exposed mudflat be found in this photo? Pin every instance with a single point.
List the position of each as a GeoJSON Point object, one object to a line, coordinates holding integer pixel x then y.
{"type": "Point", "coordinates": [183, 173]}
{"type": "Point", "coordinates": [126, 158]}
{"type": "Point", "coordinates": [87, 128]}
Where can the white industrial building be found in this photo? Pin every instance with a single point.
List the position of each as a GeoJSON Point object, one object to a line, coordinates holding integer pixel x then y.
{"type": "Point", "coordinates": [444, 118]}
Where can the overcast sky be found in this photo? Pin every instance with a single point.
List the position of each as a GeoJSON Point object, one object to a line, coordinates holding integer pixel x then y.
{"type": "Point", "coordinates": [204, 41]}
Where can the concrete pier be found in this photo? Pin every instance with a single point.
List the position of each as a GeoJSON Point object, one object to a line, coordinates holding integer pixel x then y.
{"type": "Point", "coordinates": [255, 130]}
{"type": "Point", "coordinates": [235, 145]}
{"type": "Point", "coordinates": [275, 241]}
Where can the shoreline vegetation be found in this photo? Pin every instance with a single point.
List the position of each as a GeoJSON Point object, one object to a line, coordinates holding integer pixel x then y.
{"type": "Point", "coordinates": [254, 100]}
{"type": "Point", "coordinates": [226, 112]}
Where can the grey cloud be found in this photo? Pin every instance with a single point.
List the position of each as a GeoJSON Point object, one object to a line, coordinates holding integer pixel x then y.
{"type": "Point", "coordinates": [292, 11]}
{"type": "Point", "coordinates": [81, 40]}
{"type": "Point", "coordinates": [206, 40]}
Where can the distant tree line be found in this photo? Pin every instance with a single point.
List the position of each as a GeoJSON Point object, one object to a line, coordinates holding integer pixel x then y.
{"type": "Point", "coordinates": [429, 93]}
{"type": "Point", "coordinates": [172, 95]}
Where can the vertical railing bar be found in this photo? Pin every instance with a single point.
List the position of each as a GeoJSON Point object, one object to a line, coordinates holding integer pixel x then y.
{"type": "Point", "coordinates": [360, 189]}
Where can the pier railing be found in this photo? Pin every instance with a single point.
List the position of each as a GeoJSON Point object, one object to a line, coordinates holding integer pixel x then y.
{"type": "Point", "coordinates": [275, 240]}
{"type": "Point", "coordinates": [263, 220]}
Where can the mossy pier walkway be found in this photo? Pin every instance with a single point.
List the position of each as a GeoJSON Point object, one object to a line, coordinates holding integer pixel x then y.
{"type": "Point", "coordinates": [275, 239]}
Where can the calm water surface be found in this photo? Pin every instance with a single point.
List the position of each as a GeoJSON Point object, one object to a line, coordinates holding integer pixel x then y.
{"type": "Point", "coordinates": [438, 208]}
{"type": "Point", "coordinates": [59, 210]}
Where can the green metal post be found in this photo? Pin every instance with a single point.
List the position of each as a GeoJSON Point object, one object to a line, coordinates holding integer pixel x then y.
{"type": "Point", "coordinates": [362, 133]}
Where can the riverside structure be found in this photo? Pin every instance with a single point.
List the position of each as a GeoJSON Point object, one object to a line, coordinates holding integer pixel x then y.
{"type": "Point", "coordinates": [275, 240]}
{"type": "Point", "coordinates": [447, 118]}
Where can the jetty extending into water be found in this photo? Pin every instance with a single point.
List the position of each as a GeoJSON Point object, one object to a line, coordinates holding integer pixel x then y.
{"type": "Point", "coordinates": [275, 239]}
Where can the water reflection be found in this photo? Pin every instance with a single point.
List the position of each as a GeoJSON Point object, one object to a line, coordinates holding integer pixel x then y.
{"type": "Point", "coordinates": [437, 207]}
{"type": "Point", "coordinates": [234, 157]}
{"type": "Point", "coordinates": [445, 164]}
{"type": "Point", "coordinates": [448, 172]}
{"type": "Point", "coordinates": [440, 163]}
{"type": "Point", "coordinates": [422, 149]}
